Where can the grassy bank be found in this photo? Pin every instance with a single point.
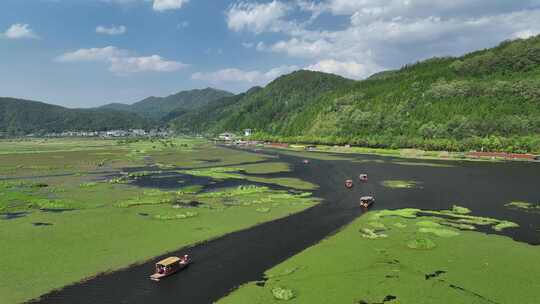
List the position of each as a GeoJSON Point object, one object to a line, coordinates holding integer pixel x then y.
{"type": "Point", "coordinates": [76, 213]}
{"type": "Point", "coordinates": [401, 257]}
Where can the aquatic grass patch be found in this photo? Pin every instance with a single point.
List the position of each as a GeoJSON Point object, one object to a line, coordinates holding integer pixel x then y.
{"type": "Point", "coordinates": [400, 184]}
{"type": "Point", "coordinates": [423, 164]}
{"type": "Point", "coordinates": [457, 217]}
{"type": "Point", "coordinates": [88, 185]}
{"type": "Point", "coordinates": [175, 216]}
{"type": "Point", "coordinates": [421, 243]}
{"type": "Point", "coordinates": [406, 266]}
{"type": "Point", "coordinates": [441, 232]}
{"type": "Point", "coordinates": [281, 293]}
{"type": "Point", "coordinates": [372, 234]}
{"type": "Point", "coordinates": [523, 206]}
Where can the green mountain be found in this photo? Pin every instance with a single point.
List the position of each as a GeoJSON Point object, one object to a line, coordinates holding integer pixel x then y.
{"type": "Point", "coordinates": [19, 117]}
{"type": "Point", "coordinates": [487, 99]}
{"type": "Point", "coordinates": [167, 107]}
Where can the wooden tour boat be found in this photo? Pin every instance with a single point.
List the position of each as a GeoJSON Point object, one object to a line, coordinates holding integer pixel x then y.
{"type": "Point", "coordinates": [169, 266]}
{"type": "Point", "coordinates": [366, 201]}
{"type": "Point", "coordinates": [349, 183]}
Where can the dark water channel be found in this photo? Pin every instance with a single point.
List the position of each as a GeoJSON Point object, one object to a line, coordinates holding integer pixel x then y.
{"type": "Point", "coordinates": [222, 264]}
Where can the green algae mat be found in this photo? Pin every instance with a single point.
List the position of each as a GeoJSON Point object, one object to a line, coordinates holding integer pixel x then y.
{"type": "Point", "coordinates": [69, 209]}
{"type": "Point", "coordinates": [405, 256]}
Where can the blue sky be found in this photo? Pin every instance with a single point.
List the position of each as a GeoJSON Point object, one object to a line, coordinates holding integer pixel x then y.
{"type": "Point", "coordinates": [83, 53]}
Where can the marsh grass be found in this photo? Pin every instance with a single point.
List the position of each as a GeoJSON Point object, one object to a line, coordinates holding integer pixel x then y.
{"type": "Point", "coordinates": [103, 220]}
{"type": "Point", "coordinates": [367, 268]}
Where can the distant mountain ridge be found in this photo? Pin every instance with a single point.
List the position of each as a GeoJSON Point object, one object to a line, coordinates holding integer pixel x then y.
{"type": "Point", "coordinates": [19, 117]}
{"type": "Point", "coordinates": [161, 107]}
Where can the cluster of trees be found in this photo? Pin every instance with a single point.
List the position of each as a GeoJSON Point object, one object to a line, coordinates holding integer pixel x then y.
{"type": "Point", "coordinates": [21, 117]}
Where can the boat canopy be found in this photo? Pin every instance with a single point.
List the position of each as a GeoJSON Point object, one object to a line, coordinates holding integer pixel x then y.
{"type": "Point", "coordinates": [168, 261]}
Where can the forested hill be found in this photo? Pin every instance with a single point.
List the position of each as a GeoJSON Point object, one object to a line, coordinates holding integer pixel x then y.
{"type": "Point", "coordinates": [487, 99]}
{"type": "Point", "coordinates": [19, 117]}
{"type": "Point", "coordinates": [160, 107]}
{"type": "Point", "coordinates": [275, 109]}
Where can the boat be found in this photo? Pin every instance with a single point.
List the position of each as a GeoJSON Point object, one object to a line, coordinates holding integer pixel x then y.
{"type": "Point", "coordinates": [366, 201]}
{"type": "Point", "coordinates": [169, 266]}
{"type": "Point", "coordinates": [305, 161]}
{"type": "Point", "coordinates": [349, 183]}
{"type": "Point", "coordinates": [363, 177]}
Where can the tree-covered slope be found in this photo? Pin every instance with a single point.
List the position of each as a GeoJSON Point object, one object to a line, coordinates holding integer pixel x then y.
{"type": "Point", "coordinates": [487, 99]}
{"type": "Point", "coordinates": [19, 117]}
{"type": "Point", "coordinates": [273, 109]}
{"type": "Point", "coordinates": [160, 107]}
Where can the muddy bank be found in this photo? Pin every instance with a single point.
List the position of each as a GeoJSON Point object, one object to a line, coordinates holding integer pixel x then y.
{"type": "Point", "coordinates": [227, 262]}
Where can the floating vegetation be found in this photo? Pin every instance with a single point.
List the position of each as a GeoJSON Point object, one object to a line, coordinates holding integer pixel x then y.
{"type": "Point", "coordinates": [149, 197]}
{"type": "Point", "coordinates": [377, 225]}
{"type": "Point", "coordinates": [400, 225]}
{"type": "Point", "coordinates": [451, 218]}
{"type": "Point", "coordinates": [422, 243]}
{"type": "Point", "coordinates": [372, 234]}
{"type": "Point", "coordinates": [460, 210]}
{"type": "Point", "coordinates": [51, 205]}
{"type": "Point", "coordinates": [439, 231]}
{"type": "Point", "coordinates": [504, 224]}
{"type": "Point", "coordinates": [177, 216]}
{"type": "Point", "coordinates": [459, 226]}
{"type": "Point", "coordinates": [524, 206]}
{"type": "Point", "coordinates": [423, 164]}
{"type": "Point", "coordinates": [88, 185]}
{"type": "Point", "coordinates": [283, 294]}
{"type": "Point", "coordinates": [215, 173]}
{"type": "Point", "coordinates": [400, 184]}
{"type": "Point", "coordinates": [190, 189]}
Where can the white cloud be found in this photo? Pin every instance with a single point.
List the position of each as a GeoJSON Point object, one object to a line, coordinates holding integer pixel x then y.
{"type": "Point", "coordinates": [350, 69]}
{"type": "Point", "coordinates": [524, 34]}
{"type": "Point", "coordinates": [183, 24]}
{"type": "Point", "coordinates": [256, 17]}
{"type": "Point", "coordinates": [122, 62]}
{"type": "Point", "coordinates": [157, 5]}
{"type": "Point", "coordinates": [251, 77]}
{"type": "Point", "coordinates": [113, 30]}
{"type": "Point", "coordinates": [20, 31]}
{"type": "Point", "coordinates": [163, 5]}
{"type": "Point", "coordinates": [381, 34]}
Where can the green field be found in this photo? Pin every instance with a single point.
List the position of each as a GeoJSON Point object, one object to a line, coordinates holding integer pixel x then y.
{"type": "Point", "coordinates": [402, 257]}
{"type": "Point", "coordinates": [75, 211]}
